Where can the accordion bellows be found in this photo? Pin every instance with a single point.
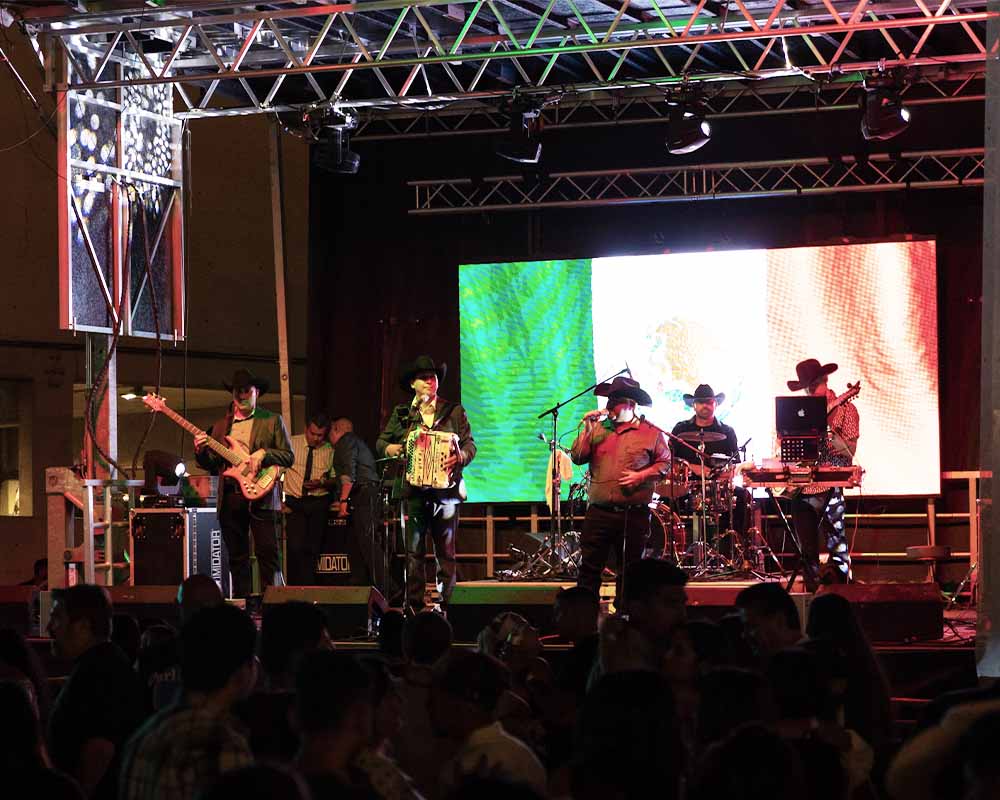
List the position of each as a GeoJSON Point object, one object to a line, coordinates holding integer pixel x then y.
{"type": "Point", "coordinates": [425, 454]}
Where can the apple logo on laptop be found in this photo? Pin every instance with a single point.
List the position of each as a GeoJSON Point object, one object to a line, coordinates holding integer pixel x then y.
{"type": "Point", "coordinates": [801, 412]}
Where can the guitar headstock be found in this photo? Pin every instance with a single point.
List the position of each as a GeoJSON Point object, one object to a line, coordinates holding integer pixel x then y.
{"type": "Point", "coordinates": [853, 390]}
{"type": "Point", "coordinates": [155, 402]}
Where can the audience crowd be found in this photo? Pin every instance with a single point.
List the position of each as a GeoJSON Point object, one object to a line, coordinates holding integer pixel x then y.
{"type": "Point", "coordinates": [647, 703]}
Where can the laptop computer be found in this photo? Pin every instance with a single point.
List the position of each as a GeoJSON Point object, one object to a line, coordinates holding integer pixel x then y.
{"type": "Point", "coordinates": [803, 415]}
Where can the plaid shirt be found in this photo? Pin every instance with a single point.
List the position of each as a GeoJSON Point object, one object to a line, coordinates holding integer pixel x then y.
{"type": "Point", "coordinates": [179, 751]}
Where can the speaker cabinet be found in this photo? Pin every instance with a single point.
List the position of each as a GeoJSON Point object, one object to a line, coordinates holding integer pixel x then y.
{"type": "Point", "coordinates": [170, 544]}
{"type": "Point", "coordinates": [349, 609]}
{"type": "Point", "coordinates": [474, 605]}
{"type": "Point", "coordinates": [895, 612]}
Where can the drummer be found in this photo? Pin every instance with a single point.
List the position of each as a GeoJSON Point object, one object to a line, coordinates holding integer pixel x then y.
{"type": "Point", "coordinates": [704, 423]}
{"type": "Point", "coordinates": [720, 449]}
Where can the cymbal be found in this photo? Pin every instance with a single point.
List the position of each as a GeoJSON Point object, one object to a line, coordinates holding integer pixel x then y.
{"type": "Point", "coordinates": [701, 436]}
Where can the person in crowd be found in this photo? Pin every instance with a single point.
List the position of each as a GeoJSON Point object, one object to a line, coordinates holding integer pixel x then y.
{"type": "Point", "coordinates": [334, 714]}
{"type": "Point", "coordinates": [288, 631]}
{"type": "Point", "coordinates": [159, 666]}
{"type": "Point", "coordinates": [426, 639]}
{"type": "Point", "coordinates": [390, 638]}
{"type": "Point", "coordinates": [39, 575]}
{"type": "Point", "coordinates": [927, 766]}
{"type": "Point", "coordinates": [429, 510]}
{"type": "Point", "coordinates": [387, 780]}
{"type": "Point", "coordinates": [657, 600]}
{"type": "Point", "coordinates": [357, 496]}
{"type": "Point", "coordinates": [628, 740]}
{"type": "Point", "coordinates": [182, 749]}
{"type": "Point", "coordinates": [575, 615]}
{"type": "Point", "coordinates": [770, 619]}
{"type": "Point", "coordinates": [102, 701]}
{"type": "Point", "coordinates": [627, 455]}
{"type": "Point", "coordinates": [751, 763]}
{"type": "Point", "coordinates": [126, 634]}
{"type": "Point", "coordinates": [308, 488]}
{"type": "Point", "coordinates": [727, 698]}
{"type": "Point", "coordinates": [803, 684]}
{"type": "Point", "coordinates": [262, 434]}
{"type": "Point", "coordinates": [24, 763]}
{"type": "Point", "coordinates": [195, 593]}
{"type": "Point", "coordinates": [257, 782]}
{"type": "Point", "coordinates": [867, 704]}
{"type": "Point", "coordinates": [466, 690]}
{"type": "Point", "coordinates": [19, 663]}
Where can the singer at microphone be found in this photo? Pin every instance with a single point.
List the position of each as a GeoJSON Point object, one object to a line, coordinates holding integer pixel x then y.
{"type": "Point", "coordinates": [627, 456]}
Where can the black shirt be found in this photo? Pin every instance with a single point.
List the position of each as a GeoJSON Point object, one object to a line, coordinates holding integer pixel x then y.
{"type": "Point", "coordinates": [103, 698]}
{"type": "Point", "coordinates": [727, 448]}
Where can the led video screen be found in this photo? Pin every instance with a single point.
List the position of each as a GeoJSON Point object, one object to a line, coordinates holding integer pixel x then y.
{"type": "Point", "coordinates": [535, 333]}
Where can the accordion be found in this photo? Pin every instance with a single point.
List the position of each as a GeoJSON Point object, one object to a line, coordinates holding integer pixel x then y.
{"type": "Point", "coordinates": [425, 454]}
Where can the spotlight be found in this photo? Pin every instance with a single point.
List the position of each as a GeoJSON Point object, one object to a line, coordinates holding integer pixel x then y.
{"type": "Point", "coordinates": [134, 393]}
{"type": "Point", "coordinates": [334, 154]}
{"type": "Point", "coordinates": [687, 128]}
{"type": "Point", "coordinates": [521, 144]}
{"type": "Point", "coordinates": [180, 470]}
{"type": "Point", "coordinates": [883, 114]}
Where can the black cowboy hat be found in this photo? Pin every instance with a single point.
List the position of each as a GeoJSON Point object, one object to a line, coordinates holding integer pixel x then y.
{"type": "Point", "coordinates": [704, 392]}
{"type": "Point", "coordinates": [243, 379]}
{"type": "Point", "coordinates": [418, 365]}
{"type": "Point", "coordinates": [624, 387]}
{"type": "Point", "coordinates": [809, 371]}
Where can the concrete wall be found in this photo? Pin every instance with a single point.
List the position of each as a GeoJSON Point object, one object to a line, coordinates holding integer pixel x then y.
{"type": "Point", "coordinates": [231, 281]}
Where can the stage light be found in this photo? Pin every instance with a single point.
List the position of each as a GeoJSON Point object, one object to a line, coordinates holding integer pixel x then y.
{"type": "Point", "coordinates": [180, 470]}
{"type": "Point", "coordinates": [134, 393]}
{"type": "Point", "coordinates": [521, 144]}
{"type": "Point", "coordinates": [883, 114]}
{"type": "Point", "coordinates": [334, 154]}
{"type": "Point", "coordinates": [687, 128]}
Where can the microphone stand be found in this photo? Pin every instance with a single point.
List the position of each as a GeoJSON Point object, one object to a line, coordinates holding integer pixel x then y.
{"type": "Point", "coordinates": [555, 526]}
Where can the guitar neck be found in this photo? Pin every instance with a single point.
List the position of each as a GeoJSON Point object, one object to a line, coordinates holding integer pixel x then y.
{"type": "Point", "coordinates": [846, 397]}
{"type": "Point", "coordinates": [216, 447]}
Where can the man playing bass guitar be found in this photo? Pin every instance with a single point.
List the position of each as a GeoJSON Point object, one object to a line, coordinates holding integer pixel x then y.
{"type": "Point", "coordinates": [265, 437]}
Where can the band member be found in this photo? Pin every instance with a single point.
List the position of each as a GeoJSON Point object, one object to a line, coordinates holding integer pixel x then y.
{"type": "Point", "coordinates": [433, 511]}
{"type": "Point", "coordinates": [627, 455]}
{"type": "Point", "coordinates": [357, 496]}
{"type": "Point", "coordinates": [818, 509]}
{"type": "Point", "coordinates": [265, 437]}
{"type": "Point", "coordinates": [705, 401]}
{"type": "Point", "coordinates": [308, 487]}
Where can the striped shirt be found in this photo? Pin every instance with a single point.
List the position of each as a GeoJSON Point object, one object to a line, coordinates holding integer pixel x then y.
{"type": "Point", "coordinates": [321, 466]}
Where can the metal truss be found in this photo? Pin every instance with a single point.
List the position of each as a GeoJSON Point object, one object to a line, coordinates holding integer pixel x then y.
{"type": "Point", "coordinates": [722, 100]}
{"type": "Point", "coordinates": [792, 177]}
{"type": "Point", "coordinates": [424, 55]}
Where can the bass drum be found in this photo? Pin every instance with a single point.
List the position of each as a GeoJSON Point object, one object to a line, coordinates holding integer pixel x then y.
{"type": "Point", "coordinates": [668, 536]}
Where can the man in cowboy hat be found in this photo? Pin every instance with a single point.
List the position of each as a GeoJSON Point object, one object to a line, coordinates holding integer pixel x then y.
{"type": "Point", "coordinates": [818, 510]}
{"type": "Point", "coordinates": [433, 511]}
{"type": "Point", "coordinates": [627, 455]}
{"type": "Point", "coordinates": [266, 439]}
{"type": "Point", "coordinates": [705, 401]}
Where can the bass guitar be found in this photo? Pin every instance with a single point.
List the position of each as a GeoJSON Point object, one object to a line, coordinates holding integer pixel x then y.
{"type": "Point", "coordinates": [253, 486]}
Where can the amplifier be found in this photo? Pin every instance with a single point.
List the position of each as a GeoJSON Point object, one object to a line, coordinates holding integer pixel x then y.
{"type": "Point", "coordinates": [169, 544]}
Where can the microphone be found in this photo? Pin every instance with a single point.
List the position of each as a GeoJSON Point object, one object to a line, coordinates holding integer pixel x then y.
{"type": "Point", "coordinates": [629, 371]}
{"type": "Point", "coordinates": [596, 415]}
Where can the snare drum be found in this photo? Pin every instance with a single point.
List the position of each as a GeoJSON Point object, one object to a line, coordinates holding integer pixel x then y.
{"type": "Point", "coordinates": [675, 484]}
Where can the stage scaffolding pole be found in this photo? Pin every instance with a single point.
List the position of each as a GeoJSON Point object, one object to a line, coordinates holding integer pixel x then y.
{"type": "Point", "coordinates": [277, 221]}
{"type": "Point", "coordinates": [987, 636]}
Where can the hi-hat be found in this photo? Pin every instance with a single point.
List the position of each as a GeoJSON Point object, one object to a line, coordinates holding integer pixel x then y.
{"type": "Point", "coordinates": [702, 436]}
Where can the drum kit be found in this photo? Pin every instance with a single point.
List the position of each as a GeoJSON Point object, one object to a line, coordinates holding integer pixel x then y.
{"type": "Point", "coordinates": [695, 523]}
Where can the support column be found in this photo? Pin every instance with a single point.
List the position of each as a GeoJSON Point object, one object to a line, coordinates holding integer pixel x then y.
{"type": "Point", "coordinates": [987, 635]}
{"type": "Point", "coordinates": [106, 405]}
{"type": "Point", "coordinates": [277, 223]}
